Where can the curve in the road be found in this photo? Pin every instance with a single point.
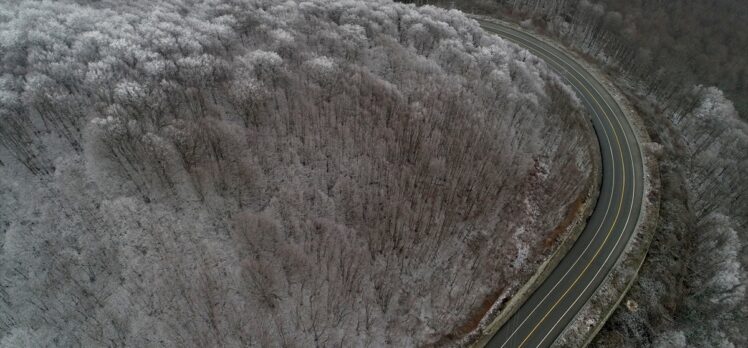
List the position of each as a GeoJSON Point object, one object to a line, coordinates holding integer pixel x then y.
{"type": "Point", "coordinates": [553, 305]}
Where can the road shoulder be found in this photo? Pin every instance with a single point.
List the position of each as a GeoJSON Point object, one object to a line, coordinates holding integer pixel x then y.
{"type": "Point", "coordinates": [611, 293]}
{"type": "Point", "coordinates": [616, 284]}
{"type": "Point", "coordinates": [503, 309]}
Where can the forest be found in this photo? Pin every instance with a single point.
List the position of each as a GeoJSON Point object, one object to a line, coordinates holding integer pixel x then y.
{"type": "Point", "coordinates": [195, 173]}
{"type": "Point", "coordinates": [665, 46]}
{"type": "Point", "coordinates": [683, 65]}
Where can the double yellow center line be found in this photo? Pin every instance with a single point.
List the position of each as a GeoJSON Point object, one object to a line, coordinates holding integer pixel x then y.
{"type": "Point", "coordinates": [620, 204]}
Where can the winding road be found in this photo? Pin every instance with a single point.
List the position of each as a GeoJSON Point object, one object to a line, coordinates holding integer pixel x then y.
{"type": "Point", "coordinates": [549, 310]}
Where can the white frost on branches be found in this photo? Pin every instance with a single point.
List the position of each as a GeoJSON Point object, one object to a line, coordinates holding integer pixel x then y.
{"type": "Point", "coordinates": [264, 173]}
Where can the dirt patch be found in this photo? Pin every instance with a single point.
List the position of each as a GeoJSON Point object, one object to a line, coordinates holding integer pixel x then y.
{"type": "Point", "coordinates": [576, 208]}
{"type": "Point", "coordinates": [473, 322]}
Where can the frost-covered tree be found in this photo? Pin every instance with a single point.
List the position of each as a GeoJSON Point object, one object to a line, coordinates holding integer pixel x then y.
{"type": "Point", "coordinates": [660, 53]}
{"type": "Point", "coordinates": [263, 173]}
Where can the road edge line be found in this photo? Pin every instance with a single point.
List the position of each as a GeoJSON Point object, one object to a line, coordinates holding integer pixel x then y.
{"type": "Point", "coordinates": [614, 288]}
{"type": "Point", "coordinates": [623, 275]}
{"type": "Point", "coordinates": [625, 272]}
{"type": "Point", "coordinates": [501, 312]}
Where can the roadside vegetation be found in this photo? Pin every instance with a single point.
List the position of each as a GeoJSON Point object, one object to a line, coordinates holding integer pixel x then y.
{"type": "Point", "coordinates": [257, 173]}
{"type": "Point", "coordinates": [664, 55]}
{"type": "Point", "coordinates": [665, 46]}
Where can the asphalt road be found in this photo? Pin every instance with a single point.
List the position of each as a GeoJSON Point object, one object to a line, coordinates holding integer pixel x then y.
{"type": "Point", "coordinates": [548, 311]}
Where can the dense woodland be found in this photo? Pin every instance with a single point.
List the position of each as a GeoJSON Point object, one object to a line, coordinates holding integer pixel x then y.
{"type": "Point", "coordinates": [692, 289]}
{"type": "Point", "coordinates": [665, 46]}
{"type": "Point", "coordinates": [257, 173]}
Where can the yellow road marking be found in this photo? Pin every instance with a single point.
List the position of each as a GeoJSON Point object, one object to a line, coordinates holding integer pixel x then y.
{"type": "Point", "coordinates": [628, 217]}
{"type": "Point", "coordinates": [605, 215]}
{"type": "Point", "coordinates": [615, 219]}
{"type": "Point", "coordinates": [597, 252]}
{"type": "Point", "coordinates": [596, 232]}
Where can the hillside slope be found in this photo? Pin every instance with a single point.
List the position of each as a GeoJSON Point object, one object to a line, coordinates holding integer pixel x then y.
{"type": "Point", "coordinates": [233, 173]}
{"type": "Point", "coordinates": [691, 290]}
